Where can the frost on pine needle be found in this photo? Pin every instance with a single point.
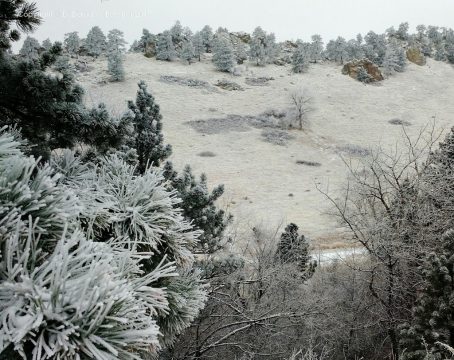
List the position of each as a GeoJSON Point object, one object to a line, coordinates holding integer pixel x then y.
{"type": "Point", "coordinates": [135, 211]}
{"type": "Point", "coordinates": [77, 301]}
{"type": "Point", "coordinates": [91, 257]}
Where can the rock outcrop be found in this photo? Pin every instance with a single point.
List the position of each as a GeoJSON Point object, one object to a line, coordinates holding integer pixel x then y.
{"type": "Point", "coordinates": [150, 49]}
{"type": "Point", "coordinates": [352, 68]}
{"type": "Point", "coordinates": [243, 36]}
{"type": "Point", "coordinates": [416, 56]}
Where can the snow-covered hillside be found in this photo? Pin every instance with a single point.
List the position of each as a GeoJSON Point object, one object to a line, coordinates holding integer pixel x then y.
{"type": "Point", "coordinates": [264, 183]}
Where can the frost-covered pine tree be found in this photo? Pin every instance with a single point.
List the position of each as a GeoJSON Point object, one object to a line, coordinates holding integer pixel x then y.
{"type": "Point", "coordinates": [145, 40]}
{"type": "Point", "coordinates": [82, 278]}
{"type": "Point", "coordinates": [199, 45]}
{"type": "Point", "coordinates": [293, 248]}
{"type": "Point", "coordinates": [199, 207]}
{"type": "Point", "coordinates": [223, 55]}
{"type": "Point", "coordinates": [207, 36]}
{"type": "Point", "coordinates": [363, 76]}
{"type": "Point", "coordinates": [440, 54]}
{"type": "Point", "coordinates": [434, 35]}
{"type": "Point", "coordinates": [354, 49]}
{"type": "Point", "coordinates": [449, 46]}
{"type": "Point", "coordinates": [316, 48]}
{"type": "Point", "coordinates": [47, 44]}
{"type": "Point", "coordinates": [115, 66]}
{"type": "Point", "coordinates": [95, 42]}
{"type": "Point", "coordinates": [395, 59]}
{"type": "Point", "coordinates": [221, 31]}
{"type": "Point", "coordinates": [240, 52]}
{"type": "Point", "coordinates": [116, 41]}
{"type": "Point", "coordinates": [72, 42]}
{"type": "Point", "coordinates": [402, 31]}
{"type": "Point", "coordinates": [176, 32]}
{"type": "Point", "coordinates": [30, 48]}
{"type": "Point", "coordinates": [16, 16]}
{"type": "Point", "coordinates": [301, 57]}
{"type": "Point", "coordinates": [421, 31]}
{"type": "Point", "coordinates": [187, 52]}
{"type": "Point", "coordinates": [187, 33]}
{"type": "Point", "coordinates": [257, 51]}
{"type": "Point", "coordinates": [147, 120]}
{"type": "Point", "coordinates": [53, 114]}
{"type": "Point", "coordinates": [165, 50]}
{"type": "Point", "coordinates": [433, 313]}
{"type": "Point", "coordinates": [271, 48]}
{"type": "Point", "coordinates": [135, 48]}
{"type": "Point", "coordinates": [336, 50]}
{"type": "Point", "coordinates": [375, 47]}
{"type": "Point", "coordinates": [425, 45]}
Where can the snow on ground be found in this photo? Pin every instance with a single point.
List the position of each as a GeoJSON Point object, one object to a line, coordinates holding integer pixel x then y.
{"type": "Point", "coordinates": [258, 175]}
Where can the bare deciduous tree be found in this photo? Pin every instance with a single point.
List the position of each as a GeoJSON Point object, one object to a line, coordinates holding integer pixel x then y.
{"type": "Point", "coordinates": [386, 211]}
{"type": "Point", "coordinates": [256, 312]}
{"type": "Point", "coordinates": [301, 101]}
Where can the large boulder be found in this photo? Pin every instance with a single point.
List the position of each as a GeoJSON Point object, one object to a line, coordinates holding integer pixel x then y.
{"type": "Point", "coordinates": [243, 36]}
{"type": "Point", "coordinates": [416, 56]}
{"type": "Point", "coordinates": [352, 68]}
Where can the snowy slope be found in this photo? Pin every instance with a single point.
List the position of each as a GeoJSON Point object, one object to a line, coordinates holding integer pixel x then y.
{"type": "Point", "coordinates": [259, 176]}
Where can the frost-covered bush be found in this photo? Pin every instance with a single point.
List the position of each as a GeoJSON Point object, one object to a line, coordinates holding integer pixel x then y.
{"type": "Point", "coordinates": [363, 75]}
{"type": "Point", "coordinates": [62, 64]}
{"type": "Point", "coordinates": [276, 137]}
{"type": "Point", "coordinates": [96, 260]}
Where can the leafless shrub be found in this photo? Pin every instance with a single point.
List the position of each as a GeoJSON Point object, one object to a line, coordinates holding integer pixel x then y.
{"type": "Point", "coordinates": [301, 101]}
{"type": "Point", "coordinates": [253, 313]}
{"type": "Point", "coordinates": [309, 354]}
{"type": "Point", "coordinates": [270, 119]}
{"type": "Point", "coordinates": [221, 125]}
{"type": "Point", "coordinates": [259, 81]}
{"type": "Point", "coordinates": [276, 137]}
{"type": "Point", "coordinates": [353, 150]}
{"type": "Point", "coordinates": [386, 210]}
{"type": "Point", "coordinates": [193, 83]}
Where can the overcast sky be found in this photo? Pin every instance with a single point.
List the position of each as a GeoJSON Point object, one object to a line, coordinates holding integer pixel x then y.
{"type": "Point", "coordinates": [288, 19]}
